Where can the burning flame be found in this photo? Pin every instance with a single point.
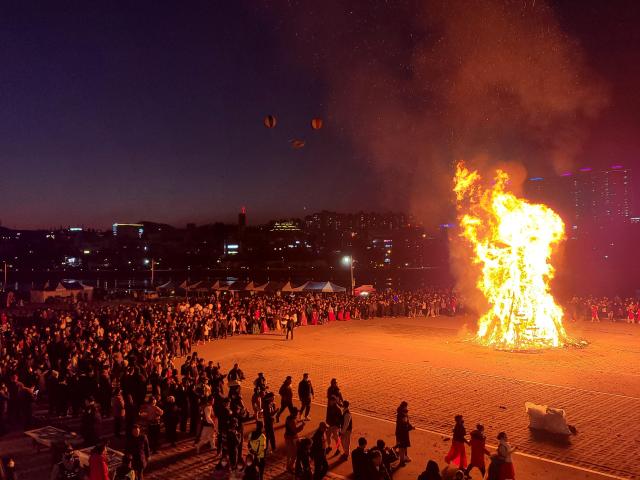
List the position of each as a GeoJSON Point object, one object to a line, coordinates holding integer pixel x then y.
{"type": "Point", "coordinates": [512, 240]}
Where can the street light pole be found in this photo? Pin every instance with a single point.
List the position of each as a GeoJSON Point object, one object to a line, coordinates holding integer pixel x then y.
{"type": "Point", "coordinates": [348, 259]}
{"type": "Point", "coordinates": [4, 285]}
{"type": "Point", "coordinates": [351, 267]}
{"type": "Point", "coordinates": [153, 271]}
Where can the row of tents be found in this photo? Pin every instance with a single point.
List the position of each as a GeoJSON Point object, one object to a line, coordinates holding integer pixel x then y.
{"type": "Point", "coordinates": [206, 287]}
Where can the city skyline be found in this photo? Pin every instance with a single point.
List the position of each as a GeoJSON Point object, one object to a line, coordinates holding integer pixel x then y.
{"type": "Point", "coordinates": [156, 112]}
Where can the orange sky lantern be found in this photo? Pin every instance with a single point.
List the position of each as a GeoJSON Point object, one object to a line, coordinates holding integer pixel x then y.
{"type": "Point", "coordinates": [269, 121]}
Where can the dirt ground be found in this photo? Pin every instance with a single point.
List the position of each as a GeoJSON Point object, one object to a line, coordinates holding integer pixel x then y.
{"type": "Point", "coordinates": [431, 363]}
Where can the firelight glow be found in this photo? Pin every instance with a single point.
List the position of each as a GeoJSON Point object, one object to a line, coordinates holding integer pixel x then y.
{"type": "Point", "coordinates": [512, 240]}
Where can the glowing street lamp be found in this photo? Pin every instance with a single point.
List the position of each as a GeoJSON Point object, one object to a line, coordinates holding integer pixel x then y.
{"type": "Point", "coordinates": [348, 260]}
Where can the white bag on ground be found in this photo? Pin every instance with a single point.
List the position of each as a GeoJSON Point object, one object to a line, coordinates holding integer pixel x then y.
{"type": "Point", "coordinates": [542, 417]}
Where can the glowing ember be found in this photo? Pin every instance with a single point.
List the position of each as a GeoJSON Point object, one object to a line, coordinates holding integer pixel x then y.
{"type": "Point", "coordinates": [512, 241]}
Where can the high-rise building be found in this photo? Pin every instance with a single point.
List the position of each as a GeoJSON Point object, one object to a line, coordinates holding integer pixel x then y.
{"type": "Point", "coordinates": [584, 193]}
{"type": "Point", "coordinates": [588, 198]}
{"type": "Point", "coordinates": [242, 217]}
{"type": "Point", "coordinates": [616, 194]}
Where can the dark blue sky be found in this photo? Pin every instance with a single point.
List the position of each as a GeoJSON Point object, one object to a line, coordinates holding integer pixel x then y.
{"type": "Point", "coordinates": [122, 111]}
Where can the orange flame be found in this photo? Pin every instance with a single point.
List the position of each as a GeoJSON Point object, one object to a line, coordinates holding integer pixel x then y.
{"type": "Point", "coordinates": [513, 241]}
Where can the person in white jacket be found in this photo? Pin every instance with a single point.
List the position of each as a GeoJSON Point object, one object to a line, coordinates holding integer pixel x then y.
{"type": "Point", "coordinates": [347, 428]}
{"type": "Point", "coordinates": [208, 433]}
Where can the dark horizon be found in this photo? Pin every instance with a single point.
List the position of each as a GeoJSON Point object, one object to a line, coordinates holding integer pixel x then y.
{"type": "Point", "coordinates": [154, 111]}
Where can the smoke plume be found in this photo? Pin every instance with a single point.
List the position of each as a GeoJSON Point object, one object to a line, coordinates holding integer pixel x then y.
{"type": "Point", "coordinates": [416, 85]}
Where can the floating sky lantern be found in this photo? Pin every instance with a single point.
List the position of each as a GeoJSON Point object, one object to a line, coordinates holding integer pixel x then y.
{"type": "Point", "coordinates": [269, 121]}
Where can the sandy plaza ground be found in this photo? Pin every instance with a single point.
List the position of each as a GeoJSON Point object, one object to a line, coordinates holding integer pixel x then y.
{"type": "Point", "coordinates": [430, 363]}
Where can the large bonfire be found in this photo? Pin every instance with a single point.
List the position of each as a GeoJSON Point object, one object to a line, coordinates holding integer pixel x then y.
{"type": "Point", "coordinates": [512, 241]}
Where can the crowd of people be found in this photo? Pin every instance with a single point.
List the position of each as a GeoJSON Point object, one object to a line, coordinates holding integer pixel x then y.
{"type": "Point", "coordinates": [601, 309]}
{"type": "Point", "coordinates": [136, 363]}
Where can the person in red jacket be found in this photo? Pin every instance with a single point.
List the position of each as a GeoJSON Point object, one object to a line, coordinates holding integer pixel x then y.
{"type": "Point", "coordinates": [478, 450]}
{"type": "Point", "coordinates": [98, 468]}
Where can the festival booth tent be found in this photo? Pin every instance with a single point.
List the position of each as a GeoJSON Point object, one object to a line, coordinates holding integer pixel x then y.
{"type": "Point", "coordinates": [238, 286]}
{"type": "Point", "coordinates": [207, 285]}
{"type": "Point", "coordinates": [170, 285]}
{"type": "Point", "coordinates": [186, 285]}
{"type": "Point", "coordinates": [168, 288]}
{"type": "Point", "coordinates": [204, 288]}
{"type": "Point", "coordinates": [269, 287]}
{"type": "Point", "coordinates": [324, 287]}
{"type": "Point", "coordinates": [62, 289]}
{"type": "Point", "coordinates": [287, 287]}
{"type": "Point", "coordinates": [364, 290]}
{"type": "Point", "coordinates": [221, 285]}
{"type": "Point", "coordinates": [250, 287]}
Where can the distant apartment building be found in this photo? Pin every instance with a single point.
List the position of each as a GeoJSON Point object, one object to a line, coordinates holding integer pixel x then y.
{"type": "Point", "coordinates": [587, 199]}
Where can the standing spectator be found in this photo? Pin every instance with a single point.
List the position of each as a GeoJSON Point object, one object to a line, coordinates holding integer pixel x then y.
{"type": "Point", "coordinates": [334, 391]}
{"type": "Point", "coordinates": [305, 393]}
{"type": "Point", "coordinates": [98, 469]}
{"type": "Point", "coordinates": [104, 390]}
{"type": "Point", "coordinates": [52, 382]}
{"type": "Point", "coordinates": [478, 450]}
{"type": "Point", "coordinates": [505, 450]}
{"type": "Point", "coordinates": [26, 396]}
{"type": "Point", "coordinates": [290, 326]}
{"type": "Point", "coordinates": [360, 460]}
{"type": "Point", "coordinates": [130, 414]}
{"type": "Point", "coordinates": [235, 377]}
{"type": "Point", "coordinates": [152, 414]}
{"type": "Point", "coordinates": [334, 424]}
{"type": "Point", "coordinates": [117, 407]}
{"type": "Point", "coordinates": [346, 430]}
{"type": "Point", "coordinates": [403, 427]}
{"type": "Point", "coordinates": [286, 397]}
{"type": "Point", "coordinates": [208, 432]}
{"type": "Point", "coordinates": [260, 383]}
{"type": "Point", "coordinates": [319, 452]}
{"type": "Point", "coordinates": [292, 428]}
{"type": "Point", "coordinates": [303, 460]}
{"type": "Point", "coordinates": [268, 412]}
{"type": "Point", "coordinates": [234, 443]}
{"type": "Point", "coordinates": [457, 453]}
{"type": "Point", "coordinates": [138, 447]}
{"type": "Point", "coordinates": [171, 418]}
{"type": "Point", "coordinates": [4, 400]}
{"type": "Point", "coordinates": [90, 422]}
{"type": "Point", "coordinates": [257, 446]}
{"type": "Point", "coordinates": [182, 401]}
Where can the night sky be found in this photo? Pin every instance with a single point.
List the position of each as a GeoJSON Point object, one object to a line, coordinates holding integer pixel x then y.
{"type": "Point", "coordinates": [147, 110]}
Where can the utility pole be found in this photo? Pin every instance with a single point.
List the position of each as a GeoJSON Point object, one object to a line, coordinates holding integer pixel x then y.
{"type": "Point", "coordinates": [153, 271]}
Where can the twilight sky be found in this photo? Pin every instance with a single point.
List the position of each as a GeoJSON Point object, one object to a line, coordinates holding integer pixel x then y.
{"type": "Point", "coordinates": [124, 111]}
